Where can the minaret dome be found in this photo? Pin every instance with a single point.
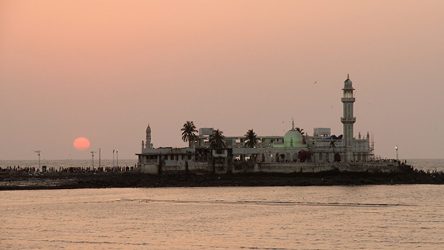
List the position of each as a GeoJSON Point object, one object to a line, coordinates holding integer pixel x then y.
{"type": "Point", "coordinates": [148, 129]}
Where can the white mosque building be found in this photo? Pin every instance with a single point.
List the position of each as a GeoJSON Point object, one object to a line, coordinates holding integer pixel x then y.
{"type": "Point", "coordinates": [292, 152]}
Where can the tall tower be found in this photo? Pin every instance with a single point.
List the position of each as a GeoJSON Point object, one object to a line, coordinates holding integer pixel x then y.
{"type": "Point", "coordinates": [148, 138]}
{"type": "Point", "coordinates": [348, 119]}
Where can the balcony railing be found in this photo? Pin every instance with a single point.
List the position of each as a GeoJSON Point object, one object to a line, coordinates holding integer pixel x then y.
{"type": "Point", "coordinates": [348, 120]}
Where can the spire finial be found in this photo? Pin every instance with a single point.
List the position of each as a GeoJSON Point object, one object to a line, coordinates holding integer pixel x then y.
{"type": "Point", "coordinates": [148, 128]}
{"type": "Point", "coordinates": [348, 76]}
{"type": "Point", "coordinates": [292, 123]}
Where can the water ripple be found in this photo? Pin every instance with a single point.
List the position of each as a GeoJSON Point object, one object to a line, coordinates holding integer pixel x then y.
{"type": "Point", "coordinates": [274, 203]}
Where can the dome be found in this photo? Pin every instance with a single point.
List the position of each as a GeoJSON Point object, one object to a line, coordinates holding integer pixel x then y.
{"type": "Point", "coordinates": [348, 84]}
{"type": "Point", "coordinates": [293, 138]}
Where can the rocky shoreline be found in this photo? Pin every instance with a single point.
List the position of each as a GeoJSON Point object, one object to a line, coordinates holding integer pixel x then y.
{"type": "Point", "coordinates": [10, 181]}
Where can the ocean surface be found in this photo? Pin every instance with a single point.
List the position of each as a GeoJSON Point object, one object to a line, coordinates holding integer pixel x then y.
{"type": "Point", "coordinates": [427, 164]}
{"type": "Point", "coordinates": [424, 164]}
{"type": "Point", "coordinates": [336, 217]}
{"type": "Point", "coordinates": [361, 217]}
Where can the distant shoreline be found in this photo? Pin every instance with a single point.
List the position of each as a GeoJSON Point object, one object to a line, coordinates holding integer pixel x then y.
{"type": "Point", "coordinates": [137, 180]}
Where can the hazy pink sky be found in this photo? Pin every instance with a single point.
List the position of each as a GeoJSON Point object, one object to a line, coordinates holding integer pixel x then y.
{"type": "Point", "coordinates": [104, 69]}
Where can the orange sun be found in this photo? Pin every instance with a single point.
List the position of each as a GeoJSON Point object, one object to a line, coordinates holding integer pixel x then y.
{"type": "Point", "coordinates": [81, 143]}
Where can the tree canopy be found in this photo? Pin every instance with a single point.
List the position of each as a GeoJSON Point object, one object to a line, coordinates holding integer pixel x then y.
{"type": "Point", "coordinates": [251, 139]}
{"type": "Point", "coordinates": [189, 132]}
{"type": "Point", "coordinates": [217, 140]}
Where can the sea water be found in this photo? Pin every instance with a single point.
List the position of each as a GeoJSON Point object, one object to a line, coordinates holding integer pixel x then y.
{"type": "Point", "coordinates": [337, 217]}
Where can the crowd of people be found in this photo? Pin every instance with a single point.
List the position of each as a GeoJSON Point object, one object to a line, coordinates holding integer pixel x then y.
{"type": "Point", "coordinates": [45, 169]}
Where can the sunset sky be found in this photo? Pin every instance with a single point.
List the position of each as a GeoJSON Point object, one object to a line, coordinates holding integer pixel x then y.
{"type": "Point", "coordinates": [105, 69]}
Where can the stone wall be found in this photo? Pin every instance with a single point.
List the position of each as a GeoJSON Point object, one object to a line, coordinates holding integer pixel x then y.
{"type": "Point", "coordinates": [273, 167]}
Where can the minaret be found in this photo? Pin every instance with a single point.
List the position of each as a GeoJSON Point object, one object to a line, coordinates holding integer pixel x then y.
{"type": "Point", "coordinates": [148, 138]}
{"type": "Point", "coordinates": [348, 120]}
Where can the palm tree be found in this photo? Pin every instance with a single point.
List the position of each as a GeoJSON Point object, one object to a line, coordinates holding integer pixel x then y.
{"type": "Point", "coordinates": [300, 130]}
{"type": "Point", "coordinates": [250, 139]}
{"type": "Point", "coordinates": [189, 132]}
{"type": "Point", "coordinates": [217, 142]}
